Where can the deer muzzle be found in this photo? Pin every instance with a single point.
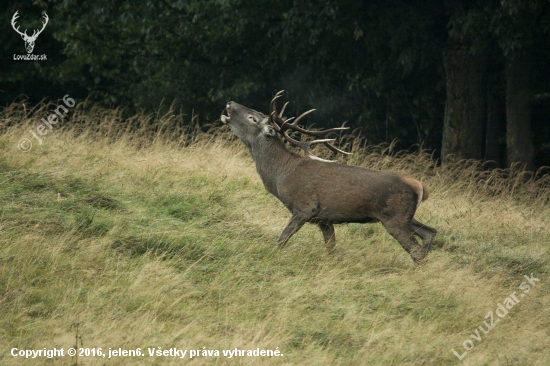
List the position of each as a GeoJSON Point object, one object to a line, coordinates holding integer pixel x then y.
{"type": "Point", "coordinates": [225, 119]}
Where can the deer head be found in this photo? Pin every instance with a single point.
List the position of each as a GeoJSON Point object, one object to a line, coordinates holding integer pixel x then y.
{"type": "Point", "coordinates": [29, 40]}
{"type": "Point", "coordinates": [249, 124]}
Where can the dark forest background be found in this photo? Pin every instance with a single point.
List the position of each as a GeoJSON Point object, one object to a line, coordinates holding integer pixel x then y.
{"type": "Point", "coordinates": [466, 79]}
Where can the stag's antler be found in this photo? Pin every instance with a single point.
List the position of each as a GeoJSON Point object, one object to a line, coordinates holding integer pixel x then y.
{"type": "Point", "coordinates": [281, 126]}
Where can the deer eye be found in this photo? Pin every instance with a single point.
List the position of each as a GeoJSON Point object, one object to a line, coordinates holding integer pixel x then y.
{"type": "Point", "coordinates": [253, 119]}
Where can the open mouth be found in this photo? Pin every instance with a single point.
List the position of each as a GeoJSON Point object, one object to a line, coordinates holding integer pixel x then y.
{"type": "Point", "coordinates": [224, 118]}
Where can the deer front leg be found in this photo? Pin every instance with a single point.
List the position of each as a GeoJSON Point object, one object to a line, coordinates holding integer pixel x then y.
{"type": "Point", "coordinates": [328, 234]}
{"type": "Point", "coordinates": [296, 222]}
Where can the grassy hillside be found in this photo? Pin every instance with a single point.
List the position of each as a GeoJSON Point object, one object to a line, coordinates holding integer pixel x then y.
{"type": "Point", "coordinates": [162, 237]}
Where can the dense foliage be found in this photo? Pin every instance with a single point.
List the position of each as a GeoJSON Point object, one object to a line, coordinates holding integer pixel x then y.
{"type": "Point", "coordinates": [378, 65]}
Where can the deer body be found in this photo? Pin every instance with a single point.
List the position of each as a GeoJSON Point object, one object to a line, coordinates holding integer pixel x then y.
{"type": "Point", "coordinates": [325, 193]}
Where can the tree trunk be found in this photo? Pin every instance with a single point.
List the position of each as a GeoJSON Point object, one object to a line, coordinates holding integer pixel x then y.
{"type": "Point", "coordinates": [519, 144]}
{"type": "Point", "coordinates": [465, 106]}
{"type": "Point", "coordinates": [496, 131]}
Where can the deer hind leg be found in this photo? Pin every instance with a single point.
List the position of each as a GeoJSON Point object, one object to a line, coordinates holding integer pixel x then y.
{"type": "Point", "coordinates": [295, 223]}
{"type": "Point", "coordinates": [425, 232]}
{"type": "Point", "coordinates": [328, 234]}
{"type": "Point", "coordinates": [404, 234]}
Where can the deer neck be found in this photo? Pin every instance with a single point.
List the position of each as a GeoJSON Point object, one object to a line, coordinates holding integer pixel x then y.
{"type": "Point", "coordinates": [273, 162]}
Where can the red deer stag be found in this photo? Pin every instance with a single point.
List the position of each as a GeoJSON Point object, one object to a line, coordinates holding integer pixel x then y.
{"type": "Point", "coordinates": [326, 193]}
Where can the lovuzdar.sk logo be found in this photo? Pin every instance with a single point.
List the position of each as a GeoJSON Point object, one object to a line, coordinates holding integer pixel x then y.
{"type": "Point", "coordinates": [29, 40]}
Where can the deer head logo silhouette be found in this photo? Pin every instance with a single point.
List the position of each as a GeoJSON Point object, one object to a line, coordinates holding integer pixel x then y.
{"type": "Point", "coordinates": [29, 40]}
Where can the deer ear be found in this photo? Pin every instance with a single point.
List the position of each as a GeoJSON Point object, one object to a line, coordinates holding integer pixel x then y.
{"type": "Point", "coordinates": [269, 131]}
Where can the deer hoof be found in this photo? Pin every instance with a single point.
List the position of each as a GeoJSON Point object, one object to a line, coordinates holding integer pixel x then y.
{"type": "Point", "coordinates": [419, 255]}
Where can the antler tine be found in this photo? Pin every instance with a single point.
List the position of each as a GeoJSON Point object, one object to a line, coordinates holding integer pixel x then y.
{"type": "Point", "coordinates": [286, 121]}
{"type": "Point", "coordinates": [279, 93]}
{"type": "Point", "coordinates": [337, 150]}
{"type": "Point", "coordinates": [316, 133]}
{"type": "Point", "coordinates": [273, 105]}
{"type": "Point", "coordinates": [302, 115]}
{"type": "Point", "coordinates": [274, 123]}
{"type": "Point", "coordinates": [283, 110]}
{"type": "Point", "coordinates": [305, 146]}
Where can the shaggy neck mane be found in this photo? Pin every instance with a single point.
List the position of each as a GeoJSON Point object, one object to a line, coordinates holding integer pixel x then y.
{"type": "Point", "coordinates": [273, 161]}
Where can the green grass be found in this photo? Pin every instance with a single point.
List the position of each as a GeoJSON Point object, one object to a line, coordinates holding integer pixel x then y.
{"type": "Point", "coordinates": [168, 239]}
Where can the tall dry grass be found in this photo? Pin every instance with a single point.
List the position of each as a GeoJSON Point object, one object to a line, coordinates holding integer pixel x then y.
{"type": "Point", "coordinates": [163, 236]}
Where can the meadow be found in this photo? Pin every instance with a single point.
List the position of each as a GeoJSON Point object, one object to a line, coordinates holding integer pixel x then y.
{"type": "Point", "coordinates": [151, 233]}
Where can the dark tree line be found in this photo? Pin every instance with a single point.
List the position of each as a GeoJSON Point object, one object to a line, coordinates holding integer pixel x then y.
{"type": "Point", "coordinates": [466, 78]}
{"type": "Point", "coordinates": [489, 63]}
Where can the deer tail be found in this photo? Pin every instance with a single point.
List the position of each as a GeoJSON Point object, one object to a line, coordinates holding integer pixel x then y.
{"type": "Point", "coordinates": [425, 192]}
